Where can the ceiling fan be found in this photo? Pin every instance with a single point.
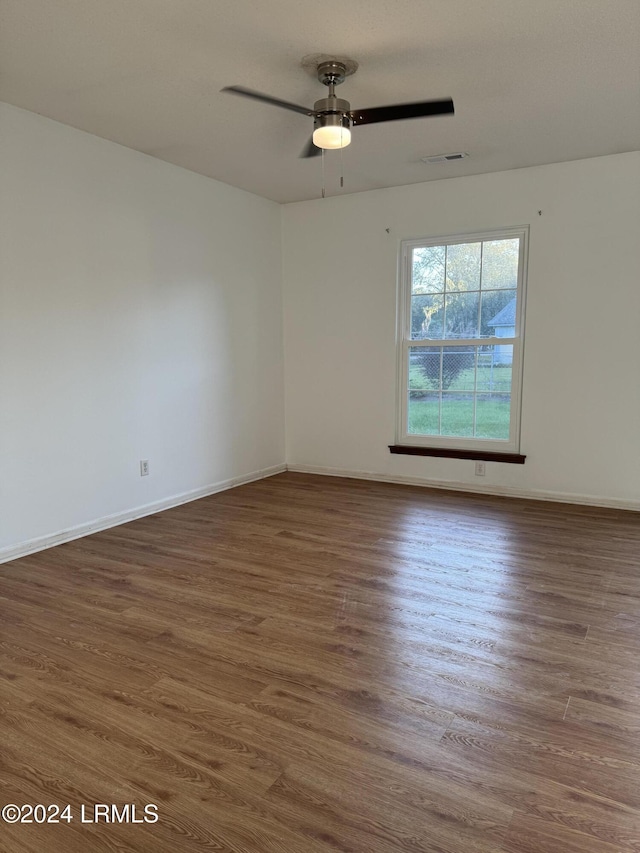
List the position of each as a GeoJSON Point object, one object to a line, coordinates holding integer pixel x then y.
{"type": "Point", "coordinates": [333, 116]}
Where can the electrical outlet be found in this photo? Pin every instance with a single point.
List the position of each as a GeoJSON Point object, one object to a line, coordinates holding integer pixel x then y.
{"type": "Point", "coordinates": [481, 469]}
{"type": "Point", "coordinates": [144, 467]}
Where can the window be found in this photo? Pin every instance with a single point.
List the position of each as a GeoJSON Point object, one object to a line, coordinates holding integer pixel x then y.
{"type": "Point", "coordinates": [460, 341]}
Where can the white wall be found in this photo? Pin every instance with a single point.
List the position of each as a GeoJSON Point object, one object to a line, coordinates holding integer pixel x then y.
{"type": "Point", "coordinates": [140, 318]}
{"type": "Point", "coordinates": [581, 398]}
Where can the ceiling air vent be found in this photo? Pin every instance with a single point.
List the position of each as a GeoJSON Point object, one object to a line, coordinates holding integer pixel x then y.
{"type": "Point", "coordinates": [445, 158]}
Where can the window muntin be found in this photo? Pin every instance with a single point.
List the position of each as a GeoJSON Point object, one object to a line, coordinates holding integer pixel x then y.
{"type": "Point", "coordinates": [461, 340]}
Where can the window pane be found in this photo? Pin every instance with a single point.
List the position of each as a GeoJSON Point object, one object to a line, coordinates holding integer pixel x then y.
{"type": "Point", "coordinates": [427, 272]}
{"type": "Point", "coordinates": [424, 413]}
{"type": "Point", "coordinates": [461, 315]}
{"type": "Point", "coordinates": [424, 368]}
{"type": "Point", "coordinates": [458, 368]}
{"type": "Point", "coordinates": [494, 368]}
{"type": "Point", "coordinates": [493, 412]}
{"type": "Point", "coordinates": [457, 414]}
{"type": "Point", "coordinates": [498, 314]}
{"type": "Point", "coordinates": [500, 260]}
{"type": "Point", "coordinates": [426, 316]}
{"type": "Point", "coordinates": [463, 266]}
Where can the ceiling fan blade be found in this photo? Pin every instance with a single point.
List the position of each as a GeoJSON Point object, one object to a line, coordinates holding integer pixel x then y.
{"type": "Point", "coordinates": [399, 111]}
{"type": "Point", "coordinates": [311, 150]}
{"type": "Point", "coordinates": [267, 99]}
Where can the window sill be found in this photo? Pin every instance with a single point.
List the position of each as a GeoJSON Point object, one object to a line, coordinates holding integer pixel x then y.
{"type": "Point", "coordinates": [451, 453]}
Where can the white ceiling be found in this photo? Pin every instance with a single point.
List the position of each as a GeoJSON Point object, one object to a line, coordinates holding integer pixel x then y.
{"type": "Point", "coordinates": [533, 82]}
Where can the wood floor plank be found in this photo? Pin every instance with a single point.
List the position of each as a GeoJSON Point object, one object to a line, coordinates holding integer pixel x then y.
{"type": "Point", "coordinates": [532, 835]}
{"type": "Point", "coordinates": [571, 761]}
{"type": "Point", "coordinates": [310, 664]}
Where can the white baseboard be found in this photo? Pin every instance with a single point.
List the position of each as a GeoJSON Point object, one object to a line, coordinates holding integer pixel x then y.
{"type": "Point", "coordinates": [77, 532]}
{"type": "Point", "coordinates": [456, 486]}
{"type": "Point", "coordinates": [31, 546]}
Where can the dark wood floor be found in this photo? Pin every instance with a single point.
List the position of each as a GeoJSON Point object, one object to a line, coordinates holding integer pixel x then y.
{"type": "Point", "coordinates": [309, 664]}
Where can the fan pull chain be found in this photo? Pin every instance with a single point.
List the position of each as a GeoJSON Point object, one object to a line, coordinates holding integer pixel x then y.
{"type": "Point", "coordinates": [322, 172]}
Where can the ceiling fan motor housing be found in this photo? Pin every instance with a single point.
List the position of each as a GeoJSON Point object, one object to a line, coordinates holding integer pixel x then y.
{"type": "Point", "coordinates": [332, 105]}
{"type": "Point", "coordinates": [331, 115]}
{"type": "Point", "coordinates": [332, 111]}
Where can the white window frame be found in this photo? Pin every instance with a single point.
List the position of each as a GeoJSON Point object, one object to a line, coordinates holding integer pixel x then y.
{"type": "Point", "coordinates": [405, 343]}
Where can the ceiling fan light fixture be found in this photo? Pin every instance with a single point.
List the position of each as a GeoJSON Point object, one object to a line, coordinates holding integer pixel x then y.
{"type": "Point", "coordinates": [332, 131]}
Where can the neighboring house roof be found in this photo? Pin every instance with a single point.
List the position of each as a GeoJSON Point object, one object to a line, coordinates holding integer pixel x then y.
{"type": "Point", "coordinates": [506, 317]}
